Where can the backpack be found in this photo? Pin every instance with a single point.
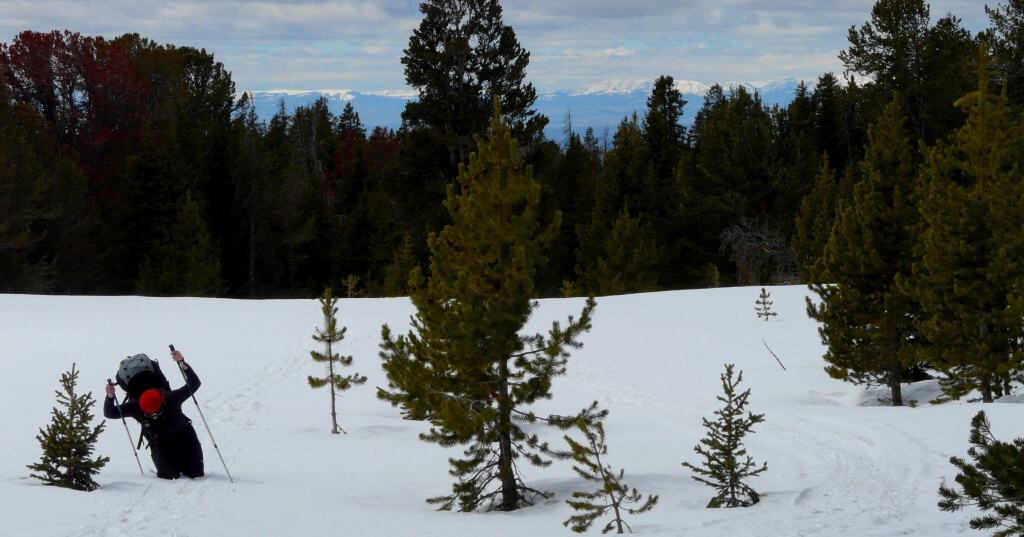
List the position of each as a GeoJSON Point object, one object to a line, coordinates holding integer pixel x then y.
{"type": "Point", "coordinates": [138, 373]}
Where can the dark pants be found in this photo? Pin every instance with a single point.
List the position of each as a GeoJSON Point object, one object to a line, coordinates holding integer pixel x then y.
{"type": "Point", "coordinates": [172, 459]}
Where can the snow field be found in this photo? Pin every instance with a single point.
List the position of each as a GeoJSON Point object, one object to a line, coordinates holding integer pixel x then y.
{"type": "Point", "coordinates": [839, 463]}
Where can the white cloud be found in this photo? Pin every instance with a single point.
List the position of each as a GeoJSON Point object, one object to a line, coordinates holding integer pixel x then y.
{"type": "Point", "coordinates": [358, 43]}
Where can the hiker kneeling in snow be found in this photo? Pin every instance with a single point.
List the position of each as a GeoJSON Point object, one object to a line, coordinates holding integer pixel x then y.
{"type": "Point", "coordinates": [173, 443]}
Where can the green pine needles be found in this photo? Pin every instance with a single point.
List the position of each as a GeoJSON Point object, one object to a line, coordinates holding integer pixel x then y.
{"type": "Point", "coordinates": [726, 463]}
{"type": "Point", "coordinates": [763, 305]}
{"type": "Point", "coordinates": [612, 494]}
{"type": "Point", "coordinates": [329, 334]}
{"type": "Point", "coordinates": [465, 366]}
{"type": "Point", "coordinates": [994, 482]}
{"type": "Point", "coordinates": [68, 441]}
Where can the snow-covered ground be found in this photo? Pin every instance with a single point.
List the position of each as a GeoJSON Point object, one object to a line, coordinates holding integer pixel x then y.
{"type": "Point", "coordinates": [839, 463]}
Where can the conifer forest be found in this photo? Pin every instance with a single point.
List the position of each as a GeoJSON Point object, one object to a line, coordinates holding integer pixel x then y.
{"type": "Point", "coordinates": [892, 189]}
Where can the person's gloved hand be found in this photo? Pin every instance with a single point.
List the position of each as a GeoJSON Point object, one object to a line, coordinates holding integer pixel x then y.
{"type": "Point", "coordinates": [110, 390]}
{"type": "Point", "coordinates": [177, 357]}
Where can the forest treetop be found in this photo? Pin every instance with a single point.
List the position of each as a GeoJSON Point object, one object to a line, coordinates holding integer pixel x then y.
{"type": "Point", "coordinates": [122, 154]}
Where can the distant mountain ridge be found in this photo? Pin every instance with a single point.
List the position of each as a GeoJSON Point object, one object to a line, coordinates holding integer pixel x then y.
{"type": "Point", "coordinates": [600, 105]}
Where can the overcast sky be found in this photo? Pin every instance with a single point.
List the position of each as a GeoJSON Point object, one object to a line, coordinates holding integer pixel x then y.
{"type": "Point", "coordinates": [357, 44]}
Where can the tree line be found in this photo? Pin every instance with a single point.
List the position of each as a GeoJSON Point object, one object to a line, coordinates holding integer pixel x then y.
{"type": "Point", "coordinates": [135, 167]}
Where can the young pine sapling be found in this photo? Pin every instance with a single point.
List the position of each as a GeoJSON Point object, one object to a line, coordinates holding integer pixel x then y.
{"type": "Point", "coordinates": [764, 306]}
{"type": "Point", "coordinates": [329, 335]}
{"type": "Point", "coordinates": [69, 440]}
{"type": "Point", "coordinates": [726, 463]}
{"type": "Point", "coordinates": [612, 494]}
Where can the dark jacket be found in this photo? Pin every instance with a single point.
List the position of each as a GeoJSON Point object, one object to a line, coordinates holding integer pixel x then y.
{"type": "Point", "coordinates": [173, 443]}
{"type": "Point", "coordinates": [171, 425]}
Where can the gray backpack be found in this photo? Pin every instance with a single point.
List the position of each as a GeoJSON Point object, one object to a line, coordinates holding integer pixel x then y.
{"type": "Point", "coordinates": [138, 373]}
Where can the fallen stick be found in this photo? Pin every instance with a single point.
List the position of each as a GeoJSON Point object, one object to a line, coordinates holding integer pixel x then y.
{"type": "Point", "coordinates": [773, 354]}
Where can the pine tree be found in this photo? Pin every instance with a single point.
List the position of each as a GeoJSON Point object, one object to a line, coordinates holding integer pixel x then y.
{"type": "Point", "coordinates": [617, 253]}
{"type": "Point", "coordinates": [570, 188]}
{"type": "Point", "coordinates": [726, 463]}
{"type": "Point", "coordinates": [890, 50]}
{"type": "Point", "coordinates": [329, 335]}
{"type": "Point", "coordinates": [69, 440]}
{"type": "Point", "coordinates": [866, 317]}
{"type": "Point", "coordinates": [396, 279]}
{"type": "Point", "coordinates": [1006, 32]}
{"type": "Point", "coordinates": [612, 494]}
{"type": "Point", "coordinates": [41, 193]}
{"type": "Point", "coordinates": [460, 59]}
{"type": "Point", "coordinates": [994, 482]}
{"type": "Point", "coordinates": [763, 306]}
{"type": "Point", "coordinates": [465, 366]}
{"type": "Point", "coordinates": [627, 256]}
{"type": "Point", "coordinates": [186, 262]}
{"type": "Point", "coordinates": [729, 171]}
{"type": "Point", "coordinates": [972, 249]}
{"type": "Point", "coordinates": [814, 221]}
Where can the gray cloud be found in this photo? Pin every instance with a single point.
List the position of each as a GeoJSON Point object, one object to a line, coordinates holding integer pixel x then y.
{"type": "Point", "coordinates": [357, 44]}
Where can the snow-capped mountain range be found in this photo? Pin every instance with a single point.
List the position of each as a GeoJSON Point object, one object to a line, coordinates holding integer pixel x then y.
{"type": "Point", "coordinates": [600, 106]}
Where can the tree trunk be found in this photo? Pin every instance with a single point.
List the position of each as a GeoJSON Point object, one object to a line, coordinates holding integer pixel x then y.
{"type": "Point", "coordinates": [330, 379]}
{"type": "Point", "coordinates": [896, 386]}
{"type": "Point", "coordinates": [895, 371]}
{"type": "Point", "coordinates": [506, 471]}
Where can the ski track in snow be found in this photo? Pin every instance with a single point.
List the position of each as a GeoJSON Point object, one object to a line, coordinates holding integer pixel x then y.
{"type": "Point", "coordinates": [858, 485]}
{"type": "Point", "coordinates": [847, 468]}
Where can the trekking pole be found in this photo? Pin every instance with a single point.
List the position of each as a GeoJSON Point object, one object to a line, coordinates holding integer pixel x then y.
{"type": "Point", "coordinates": [208, 431]}
{"type": "Point", "coordinates": [126, 431]}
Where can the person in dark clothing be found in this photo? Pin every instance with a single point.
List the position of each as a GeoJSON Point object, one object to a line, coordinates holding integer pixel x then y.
{"type": "Point", "coordinates": [173, 443]}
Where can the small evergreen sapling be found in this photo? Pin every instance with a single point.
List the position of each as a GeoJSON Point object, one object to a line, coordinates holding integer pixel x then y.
{"type": "Point", "coordinates": [726, 463]}
{"type": "Point", "coordinates": [764, 306]}
{"type": "Point", "coordinates": [993, 482]}
{"type": "Point", "coordinates": [329, 335]}
{"type": "Point", "coordinates": [69, 440]}
{"type": "Point", "coordinates": [613, 495]}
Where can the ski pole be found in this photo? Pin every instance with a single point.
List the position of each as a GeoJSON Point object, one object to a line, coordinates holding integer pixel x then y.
{"type": "Point", "coordinates": [126, 431]}
{"type": "Point", "coordinates": [208, 431]}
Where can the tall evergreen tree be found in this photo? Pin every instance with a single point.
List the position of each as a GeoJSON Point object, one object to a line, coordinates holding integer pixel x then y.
{"type": "Point", "coordinates": [889, 50]}
{"type": "Point", "coordinates": [623, 261]}
{"type": "Point", "coordinates": [396, 279]}
{"type": "Point", "coordinates": [664, 130]}
{"type": "Point", "coordinates": [614, 239]}
{"type": "Point", "coordinates": [947, 60]}
{"type": "Point", "coordinates": [465, 365]}
{"type": "Point", "coordinates": [329, 335]}
{"type": "Point", "coordinates": [814, 221]}
{"type": "Point", "coordinates": [43, 217]}
{"type": "Point", "coordinates": [570, 188]}
{"type": "Point", "coordinates": [726, 465]}
{"type": "Point", "coordinates": [899, 51]}
{"type": "Point", "coordinates": [835, 120]}
{"type": "Point", "coordinates": [799, 157]}
{"type": "Point", "coordinates": [186, 262]}
{"type": "Point", "coordinates": [728, 172]}
{"type": "Point", "coordinates": [968, 280]}
{"type": "Point", "coordinates": [866, 317]}
{"type": "Point", "coordinates": [460, 59]}
{"type": "Point", "coordinates": [68, 442]}
{"type": "Point", "coordinates": [1006, 36]}
{"type": "Point", "coordinates": [665, 137]}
